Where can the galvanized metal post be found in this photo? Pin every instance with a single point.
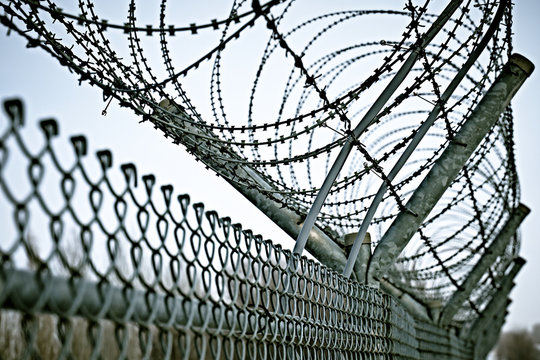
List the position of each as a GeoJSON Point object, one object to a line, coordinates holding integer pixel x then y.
{"type": "Point", "coordinates": [435, 308]}
{"type": "Point", "coordinates": [251, 184]}
{"type": "Point", "coordinates": [495, 249]}
{"type": "Point", "coordinates": [485, 331]}
{"type": "Point", "coordinates": [449, 164]}
{"type": "Point", "coordinates": [368, 118]}
{"type": "Point", "coordinates": [497, 302]}
{"type": "Point", "coordinates": [406, 300]}
{"type": "Point", "coordinates": [320, 245]}
{"type": "Point", "coordinates": [486, 343]}
{"type": "Point", "coordinates": [363, 257]}
{"type": "Point", "coordinates": [502, 305]}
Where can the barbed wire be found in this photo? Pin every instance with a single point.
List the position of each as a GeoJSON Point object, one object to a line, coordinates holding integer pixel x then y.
{"type": "Point", "coordinates": [286, 86]}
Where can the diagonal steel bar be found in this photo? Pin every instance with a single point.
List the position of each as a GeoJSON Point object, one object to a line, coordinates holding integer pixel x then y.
{"type": "Point", "coordinates": [495, 249]}
{"type": "Point", "coordinates": [422, 131]}
{"type": "Point", "coordinates": [449, 164]}
{"type": "Point", "coordinates": [368, 119]}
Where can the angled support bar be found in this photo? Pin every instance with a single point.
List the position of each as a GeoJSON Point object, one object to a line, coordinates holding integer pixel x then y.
{"type": "Point", "coordinates": [319, 244]}
{"type": "Point", "coordinates": [368, 118]}
{"type": "Point", "coordinates": [449, 164]}
{"type": "Point", "coordinates": [422, 131]}
{"type": "Point", "coordinates": [497, 303]}
{"type": "Point", "coordinates": [495, 249]}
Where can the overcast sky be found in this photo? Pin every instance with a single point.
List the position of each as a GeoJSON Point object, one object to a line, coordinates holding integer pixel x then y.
{"type": "Point", "coordinates": [50, 91]}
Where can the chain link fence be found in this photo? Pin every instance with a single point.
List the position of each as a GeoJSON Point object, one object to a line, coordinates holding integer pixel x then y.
{"type": "Point", "coordinates": [99, 263]}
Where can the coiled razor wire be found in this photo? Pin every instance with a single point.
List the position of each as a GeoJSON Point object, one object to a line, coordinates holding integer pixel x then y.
{"type": "Point", "coordinates": [287, 81]}
{"type": "Point", "coordinates": [100, 262]}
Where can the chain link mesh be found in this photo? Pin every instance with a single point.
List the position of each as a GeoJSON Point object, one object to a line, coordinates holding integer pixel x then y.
{"type": "Point", "coordinates": [102, 263]}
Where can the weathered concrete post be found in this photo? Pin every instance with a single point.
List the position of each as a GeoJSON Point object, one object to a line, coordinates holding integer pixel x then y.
{"type": "Point", "coordinates": [449, 164]}
{"type": "Point", "coordinates": [495, 249]}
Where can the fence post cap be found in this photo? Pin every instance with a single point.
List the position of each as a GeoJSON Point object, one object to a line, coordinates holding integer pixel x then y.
{"type": "Point", "coordinates": [522, 62]}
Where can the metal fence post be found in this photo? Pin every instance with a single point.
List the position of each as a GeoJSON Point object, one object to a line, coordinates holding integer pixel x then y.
{"type": "Point", "coordinates": [408, 302]}
{"type": "Point", "coordinates": [363, 257]}
{"type": "Point", "coordinates": [491, 337]}
{"type": "Point", "coordinates": [495, 249]}
{"type": "Point", "coordinates": [253, 186]}
{"type": "Point", "coordinates": [449, 164]}
{"type": "Point", "coordinates": [484, 342]}
{"type": "Point", "coordinates": [497, 302]}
